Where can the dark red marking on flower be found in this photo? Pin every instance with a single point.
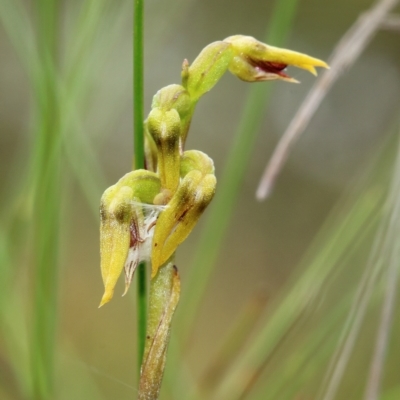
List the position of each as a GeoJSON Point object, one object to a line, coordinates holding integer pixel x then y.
{"type": "Point", "coordinates": [135, 234]}
{"type": "Point", "coordinates": [269, 67]}
{"type": "Point", "coordinates": [183, 215]}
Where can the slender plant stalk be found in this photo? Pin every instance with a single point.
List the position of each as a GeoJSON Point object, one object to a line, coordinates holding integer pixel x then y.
{"type": "Point", "coordinates": [138, 113]}
{"type": "Point", "coordinates": [47, 209]}
{"type": "Point", "coordinates": [138, 116]}
{"type": "Point", "coordinates": [164, 297]}
{"type": "Point", "coordinates": [235, 168]}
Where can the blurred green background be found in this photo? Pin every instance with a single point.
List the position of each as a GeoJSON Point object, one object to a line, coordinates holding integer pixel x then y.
{"type": "Point", "coordinates": [325, 209]}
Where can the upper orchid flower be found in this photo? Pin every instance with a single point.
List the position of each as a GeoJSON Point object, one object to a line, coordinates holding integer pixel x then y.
{"type": "Point", "coordinates": [245, 57]}
{"type": "Point", "coordinates": [254, 61]}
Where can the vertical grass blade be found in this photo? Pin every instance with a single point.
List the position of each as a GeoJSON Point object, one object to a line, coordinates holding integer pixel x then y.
{"type": "Point", "coordinates": [138, 113]}
{"type": "Point", "coordinates": [138, 117]}
{"type": "Point", "coordinates": [47, 205]}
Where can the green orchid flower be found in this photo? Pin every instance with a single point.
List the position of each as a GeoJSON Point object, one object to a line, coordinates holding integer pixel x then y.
{"type": "Point", "coordinates": [179, 184]}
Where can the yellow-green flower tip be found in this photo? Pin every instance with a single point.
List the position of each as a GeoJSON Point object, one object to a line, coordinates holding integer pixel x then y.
{"type": "Point", "coordinates": [256, 61]}
{"type": "Point", "coordinates": [196, 160]}
{"type": "Point", "coordinates": [165, 128]}
{"type": "Point", "coordinates": [173, 96]}
{"type": "Point", "coordinates": [107, 296]}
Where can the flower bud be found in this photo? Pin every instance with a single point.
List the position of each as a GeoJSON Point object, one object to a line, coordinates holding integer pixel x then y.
{"type": "Point", "coordinates": [144, 184]}
{"type": "Point", "coordinates": [194, 159]}
{"type": "Point", "coordinates": [178, 98]}
{"type": "Point", "coordinates": [207, 69]}
{"type": "Point", "coordinates": [165, 128]}
{"type": "Point", "coordinates": [173, 97]}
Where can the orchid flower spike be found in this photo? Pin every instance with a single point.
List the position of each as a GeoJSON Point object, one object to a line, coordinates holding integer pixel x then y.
{"type": "Point", "coordinates": [178, 184]}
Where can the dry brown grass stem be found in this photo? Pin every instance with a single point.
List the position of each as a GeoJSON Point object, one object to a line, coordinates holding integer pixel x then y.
{"type": "Point", "coordinates": [345, 54]}
{"type": "Point", "coordinates": [391, 22]}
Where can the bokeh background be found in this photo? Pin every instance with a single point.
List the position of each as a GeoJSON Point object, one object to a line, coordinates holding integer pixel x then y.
{"type": "Point", "coordinates": [346, 153]}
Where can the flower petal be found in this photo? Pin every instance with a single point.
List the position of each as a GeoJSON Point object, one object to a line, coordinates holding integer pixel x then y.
{"type": "Point", "coordinates": [255, 61]}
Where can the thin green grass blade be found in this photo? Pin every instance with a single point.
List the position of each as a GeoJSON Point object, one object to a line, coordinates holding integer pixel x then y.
{"type": "Point", "coordinates": [138, 140]}
{"type": "Point", "coordinates": [46, 206]}
{"type": "Point", "coordinates": [69, 135]}
{"type": "Point", "coordinates": [12, 321]}
{"type": "Point", "coordinates": [138, 96]}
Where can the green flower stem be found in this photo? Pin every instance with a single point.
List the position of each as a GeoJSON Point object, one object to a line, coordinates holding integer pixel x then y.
{"type": "Point", "coordinates": [138, 113]}
{"type": "Point", "coordinates": [46, 206]}
{"type": "Point", "coordinates": [163, 299]}
{"type": "Point", "coordinates": [138, 141]}
{"type": "Point", "coordinates": [223, 205]}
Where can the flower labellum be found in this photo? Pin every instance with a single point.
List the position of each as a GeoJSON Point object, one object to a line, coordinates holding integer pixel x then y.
{"type": "Point", "coordinates": [254, 61]}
